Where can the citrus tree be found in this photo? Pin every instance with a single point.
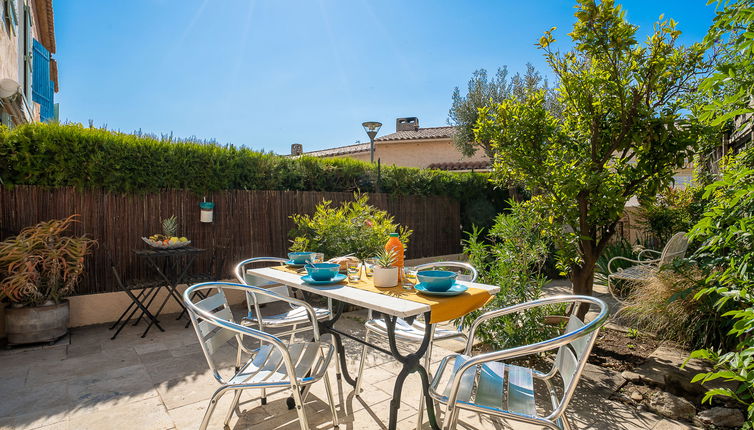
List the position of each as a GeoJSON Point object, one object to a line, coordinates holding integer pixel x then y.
{"type": "Point", "coordinates": [621, 132]}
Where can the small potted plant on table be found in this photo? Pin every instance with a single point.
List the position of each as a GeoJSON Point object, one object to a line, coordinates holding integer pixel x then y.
{"type": "Point", "coordinates": [385, 273]}
{"type": "Point", "coordinates": [38, 269]}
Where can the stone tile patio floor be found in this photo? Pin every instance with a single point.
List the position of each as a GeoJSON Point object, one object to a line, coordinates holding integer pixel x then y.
{"type": "Point", "coordinates": [88, 381]}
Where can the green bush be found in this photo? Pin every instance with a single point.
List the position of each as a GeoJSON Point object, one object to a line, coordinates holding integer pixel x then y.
{"type": "Point", "coordinates": [726, 257]}
{"type": "Point", "coordinates": [511, 256]}
{"type": "Point", "coordinates": [353, 227]}
{"type": "Point", "coordinates": [671, 211]}
{"type": "Point", "coordinates": [57, 155]}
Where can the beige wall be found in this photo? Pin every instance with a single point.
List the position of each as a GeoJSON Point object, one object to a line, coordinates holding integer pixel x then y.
{"type": "Point", "coordinates": [107, 307]}
{"type": "Point", "coordinates": [420, 153]}
{"type": "Point", "coordinates": [8, 49]}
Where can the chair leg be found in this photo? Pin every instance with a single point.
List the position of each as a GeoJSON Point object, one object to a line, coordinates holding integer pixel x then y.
{"type": "Point", "coordinates": [211, 408]}
{"type": "Point", "coordinates": [233, 406]}
{"type": "Point", "coordinates": [336, 357]}
{"type": "Point", "coordinates": [564, 420]}
{"type": "Point", "coordinates": [300, 407]}
{"type": "Point", "coordinates": [451, 417]}
{"type": "Point", "coordinates": [359, 378]}
{"type": "Point", "coordinates": [331, 400]}
{"type": "Point", "coordinates": [264, 396]}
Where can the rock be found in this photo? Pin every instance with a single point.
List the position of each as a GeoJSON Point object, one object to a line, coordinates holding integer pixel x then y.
{"type": "Point", "coordinates": [631, 376]}
{"type": "Point", "coordinates": [671, 406]}
{"type": "Point", "coordinates": [636, 396]}
{"type": "Point", "coordinates": [602, 381]}
{"type": "Point", "coordinates": [672, 425]}
{"type": "Point", "coordinates": [667, 367]}
{"type": "Point", "coordinates": [722, 417]}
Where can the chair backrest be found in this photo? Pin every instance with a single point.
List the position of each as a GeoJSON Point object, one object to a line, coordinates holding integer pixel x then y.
{"type": "Point", "coordinates": [572, 357]}
{"type": "Point", "coordinates": [675, 248]}
{"type": "Point", "coordinates": [214, 323]}
{"type": "Point", "coordinates": [247, 279]}
{"type": "Point", "coordinates": [206, 315]}
{"type": "Point", "coordinates": [467, 271]}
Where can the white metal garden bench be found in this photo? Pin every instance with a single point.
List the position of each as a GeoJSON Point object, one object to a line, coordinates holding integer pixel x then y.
{"type": "Point", "coordinates": [487, 384]}
{"type": "Point", "coordinates": [274, 364]}
{"type": "Point", "coordinates": [644, 268]}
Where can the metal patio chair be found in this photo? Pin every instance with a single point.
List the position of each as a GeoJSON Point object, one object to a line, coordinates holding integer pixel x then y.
{"type": "Point", "coordinates": [293, 318]}
{"type": "Point", "coordinates": [644, 268]}
{"type": "Point", "coordinates": [296, 319]}
{"type": "Point", "coordinates": [478, 383]}
{"type": "Point", "coordinates": [274, 364]}
{"type": "Point", "coordinates": [414, 332]}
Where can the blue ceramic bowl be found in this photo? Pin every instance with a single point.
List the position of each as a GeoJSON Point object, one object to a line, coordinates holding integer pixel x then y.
{"type": "Point", "coordinates": [322, 271]}
{"type": "Point", "coordinates": [299, 257]}
{"type": "Point", "coordinates": [437, 280]}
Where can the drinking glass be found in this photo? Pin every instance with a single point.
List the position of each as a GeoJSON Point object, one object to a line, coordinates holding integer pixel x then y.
{"type": "Point", "coordinates": [409, 277]}
{"type": "Point", "coordinates": [317, 257]}
{"type": "Point", "coordinates": [353, 269]}
{"type": "Point", "coordinates": [369, 264]}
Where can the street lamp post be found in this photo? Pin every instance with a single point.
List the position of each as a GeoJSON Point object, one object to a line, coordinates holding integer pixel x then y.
{"type": "Point", "coordinates": [371, 127]}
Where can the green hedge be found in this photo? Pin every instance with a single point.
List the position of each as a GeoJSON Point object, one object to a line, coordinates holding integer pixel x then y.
{"type": "Point", "coordinates": [72, 155]}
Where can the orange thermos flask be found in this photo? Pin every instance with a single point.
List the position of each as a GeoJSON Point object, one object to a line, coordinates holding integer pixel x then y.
{"type": "Point", "coordinates": [395, 244]}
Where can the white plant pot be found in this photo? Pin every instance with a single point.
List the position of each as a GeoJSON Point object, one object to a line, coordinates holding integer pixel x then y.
{"type": "Point", "coordinates": [385, 277]}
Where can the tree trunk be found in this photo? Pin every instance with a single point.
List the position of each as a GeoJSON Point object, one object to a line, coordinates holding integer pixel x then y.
{"type": "Point", "coordinates": [582, 278]}
{"type": "Point", "coordinates": [514, 194]}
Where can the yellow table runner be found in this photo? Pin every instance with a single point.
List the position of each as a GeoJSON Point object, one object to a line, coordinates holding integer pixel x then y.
{"type": "Point", "coordinates": [442, 308]}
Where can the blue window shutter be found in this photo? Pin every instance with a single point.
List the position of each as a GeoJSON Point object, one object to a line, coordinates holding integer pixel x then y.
{"type": "Point", "coordinates": [43, 89]}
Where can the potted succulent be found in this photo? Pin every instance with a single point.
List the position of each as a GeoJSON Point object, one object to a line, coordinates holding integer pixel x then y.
{"type": "Point", "coordinates": [38, 268]}
{"type": "Point", "coordinates": [385, 273]}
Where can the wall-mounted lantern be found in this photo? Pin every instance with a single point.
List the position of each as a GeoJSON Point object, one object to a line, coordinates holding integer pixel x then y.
{"type": "Point", "coordinates": [207, 210]}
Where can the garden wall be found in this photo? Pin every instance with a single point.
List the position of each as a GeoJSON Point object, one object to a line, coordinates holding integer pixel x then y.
{"type": "Point", "coordinates": [246, 223]}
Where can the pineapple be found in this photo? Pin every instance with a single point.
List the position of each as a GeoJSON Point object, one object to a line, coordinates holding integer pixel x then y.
{"type": "Point", "coordinates": [170, 227]}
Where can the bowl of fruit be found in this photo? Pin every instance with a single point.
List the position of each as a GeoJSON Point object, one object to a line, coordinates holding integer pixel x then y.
{"type": "Point", "coordinates": [169, 238]}
{"type": "Point", "coordinates": [163, 242]}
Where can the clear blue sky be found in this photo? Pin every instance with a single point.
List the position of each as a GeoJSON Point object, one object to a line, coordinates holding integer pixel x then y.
{"type": "Point", "coordinates": [269, 73]}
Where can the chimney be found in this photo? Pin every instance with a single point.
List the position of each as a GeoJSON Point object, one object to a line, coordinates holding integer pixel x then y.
{"type": "Point", "coordinates": [410, 123]}
{"type": "Point", "coordinates": [297, 149]}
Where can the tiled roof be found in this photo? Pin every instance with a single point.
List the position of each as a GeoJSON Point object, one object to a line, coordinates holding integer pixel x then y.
{"type": "Point", "coordinates": [341, 150]}
{"type": "Point", "coordinates": [461, 165]}
{"type": "Point", "coordinates": [421, 133]}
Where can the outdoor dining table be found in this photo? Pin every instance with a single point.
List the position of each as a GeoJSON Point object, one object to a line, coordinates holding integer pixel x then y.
{"type": "Point", "coordinates": [392, 303]}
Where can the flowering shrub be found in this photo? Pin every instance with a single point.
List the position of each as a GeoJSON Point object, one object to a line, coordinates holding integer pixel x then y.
{"type": "Point", "coordinates": [353, 227]}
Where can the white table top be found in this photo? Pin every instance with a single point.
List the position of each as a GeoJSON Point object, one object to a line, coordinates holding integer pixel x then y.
{"type": "Point", "coordinates": [402, 308]}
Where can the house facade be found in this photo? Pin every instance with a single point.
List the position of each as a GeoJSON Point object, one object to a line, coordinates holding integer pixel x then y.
{"type": "Point", "coordinates": [411, 146]}
{"type": "Point", "coordinates": [28, 73]}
